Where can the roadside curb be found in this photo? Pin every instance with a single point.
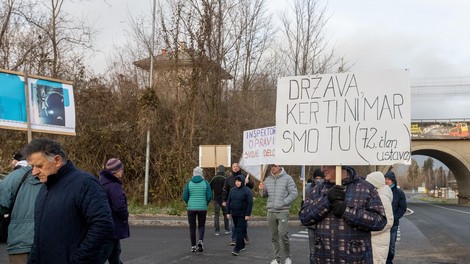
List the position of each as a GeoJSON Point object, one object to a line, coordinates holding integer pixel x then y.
{"type": "Point", "coordinates": [165, 220]}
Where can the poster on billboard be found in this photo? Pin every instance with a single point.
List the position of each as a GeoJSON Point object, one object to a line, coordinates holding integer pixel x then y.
{"type": "Point", "coordinates": [51, 103]}
{"type": "Point", "coordinates": [259, 146]}
{"type": "Point", "coordinates": [344, 118]}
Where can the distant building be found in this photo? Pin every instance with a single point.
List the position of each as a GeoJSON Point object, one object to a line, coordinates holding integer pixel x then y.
{"type": "Point", "coordinates": [176, 72]}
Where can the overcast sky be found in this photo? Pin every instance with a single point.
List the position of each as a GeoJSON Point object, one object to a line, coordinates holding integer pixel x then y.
{"type": "Point", "coordinates": [431, 38]}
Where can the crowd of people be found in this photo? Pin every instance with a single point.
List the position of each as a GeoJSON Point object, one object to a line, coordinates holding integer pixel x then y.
{"type": "Point", "coordinates": [61, 214]}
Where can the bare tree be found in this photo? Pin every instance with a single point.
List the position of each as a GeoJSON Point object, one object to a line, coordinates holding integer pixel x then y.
{"type": "Point", "coordinates": [307, 50]}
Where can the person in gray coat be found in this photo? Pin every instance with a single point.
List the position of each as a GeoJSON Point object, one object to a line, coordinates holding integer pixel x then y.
{"type": "Point", "coordinates": [281, 191]}
{"type": "Point", "coordinates": [21, 228]}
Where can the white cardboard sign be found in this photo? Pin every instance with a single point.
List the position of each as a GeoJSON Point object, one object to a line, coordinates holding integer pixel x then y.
{"type": "Point", "coordinates": [259, 146]}
{"type": "Point", "coordinates": [344, 119]}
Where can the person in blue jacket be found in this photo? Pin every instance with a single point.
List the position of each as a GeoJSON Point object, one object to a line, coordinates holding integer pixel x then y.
{"type": "Point", "coordinates": [239, 206]}
{"type": "Point", "coordinates": [197, 195]}
{"type": "Point", "coordinates": [110, 178]}
{"type": "Point", "coordinates": [399, 209]}
{"type": "Point", "coordinates": [21, 228]}
{"type": "Point", "coordinates": [72, 216]}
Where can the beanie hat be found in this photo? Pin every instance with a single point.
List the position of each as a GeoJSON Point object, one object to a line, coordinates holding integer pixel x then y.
{"type": "Point", "coordinates": [197, 171]}
{"type": "Point", "coordinates": [18, 156]}
{"type": "Point", "coordinates": [318, 173]}
{"type": "Point", "coordinates": [391, 175]}
{"type": "Point", "coordinates": [221, 168]}
{"type": "Point", "coordinates": [376, 178]}
{"type": "Point", "coordinates": [114, 165]}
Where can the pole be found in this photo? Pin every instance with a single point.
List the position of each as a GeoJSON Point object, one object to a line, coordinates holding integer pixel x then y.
{"type": "Point", "coordinates": [302, 175]}
{"type": "Point", "coordinates": [147, 152]}
{"type": "Point", "coordinates": [339, 175]}
{"type": "Point", "coordinates": [28, 107]}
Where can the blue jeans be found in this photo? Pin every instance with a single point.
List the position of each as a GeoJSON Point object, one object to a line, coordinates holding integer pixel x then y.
{"type": "Point", "coordinates": [111, 251]}
{"type": "Point", "coordinates": [393, 239]}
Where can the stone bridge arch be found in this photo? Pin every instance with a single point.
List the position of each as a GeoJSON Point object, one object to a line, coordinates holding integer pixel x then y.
{"type": "Point", "coordinates": [455, 154]}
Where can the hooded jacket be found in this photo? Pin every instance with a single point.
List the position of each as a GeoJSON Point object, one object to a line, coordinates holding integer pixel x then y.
{"type": "Point", "coordinates": [217, 183]}
{"type": "Point", "coordinates": [230, 183]}
{"type": "Point", "coordinates": [399, 205]}
{"type": "Point", "coordinates": [21, 228]}
{"type": "Point", "coordinates": [117, 202]}
{"type": "Point", "coordinates": [197, 194]}
{"type": "Point", "coordinates": [381, 239]}
{"type": "Point", "coordinates": [345, 239]}
{"type": "Point", "coordinates": [280, 190]}
{"type": "Point", "coordinates": [240, 199]}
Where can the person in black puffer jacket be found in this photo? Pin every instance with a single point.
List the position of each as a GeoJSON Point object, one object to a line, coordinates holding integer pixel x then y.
{"type": "Point", "coordinates": [239, 206]}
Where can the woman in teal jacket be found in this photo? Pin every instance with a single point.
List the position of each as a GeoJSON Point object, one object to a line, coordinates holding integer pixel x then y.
{"type": "Point", "coordinates": [197, 195]}
{"type": "Point", "coordinates": [21, 228]}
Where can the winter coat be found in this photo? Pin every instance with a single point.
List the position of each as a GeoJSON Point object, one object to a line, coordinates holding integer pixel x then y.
{"type": "Point", "coordinates": [240, 200]}
{"type": "Point", "coordinates": [117, 202]}
{"type": "Point", "coordinates": [197, 194]}
{"type": "Point", "coordinates": [217, 185]}
{"type": "Point", "coordinates": [230, 183]}
{"type": "Point", "coordinates": [399, 199]}
{"type": "Point", "coordinates": [398, 205]}
{"type": "Point", "coordinates": [21, 228]}
{"type": "Point", "coordinates": [346, 239]}
{"type": "Point", "coordinates": [381, 239]}
{"type": "Point", "coordinates": [280, 190]}
{"type": "Point", "coordinates": [72, 218]}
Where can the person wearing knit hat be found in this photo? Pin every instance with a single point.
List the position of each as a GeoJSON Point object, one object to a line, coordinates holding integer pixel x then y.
{"type": "Point", "coordinates": [399, 207]}
{"type": "Point", "coordinates": [197, 194]}
{"type": "Point", "coordinates": [342, 212]}
{"type": "Point", "coordinates": [110, 178]}
{"type": "Point", "coordinates": [114, 165]}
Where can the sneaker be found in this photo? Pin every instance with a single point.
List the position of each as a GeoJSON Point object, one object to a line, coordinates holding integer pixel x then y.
{"type": "Point", "coordinates": [247, 240]}
{"type": "Point", "coordinates": [200, 246]}
{"type": "Point", "coordinates": [288, 261]}
{"type": "Point", "coordinates": [228, 232]}
{"type": "Point", "coordinates": [275, 261]}
{"type": "Point", "coordinates": [243, 249]}
{"type": "Point", "coordinates": [193, 249]}
{"type": "Point", "coordinates": [216, 234]}
{"type": "Point", "coordinates": [233, 243]}
{"type": "Point", "coordinates": [235, 253]}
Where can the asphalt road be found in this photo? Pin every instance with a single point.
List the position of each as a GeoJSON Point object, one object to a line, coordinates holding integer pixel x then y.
{"type": "Point", "coordinates": [431, 234]}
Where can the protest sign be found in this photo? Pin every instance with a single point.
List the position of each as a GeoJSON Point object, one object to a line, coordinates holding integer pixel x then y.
{"type": "Point", "coordinates": [345, 118]}
{"type": "Point", "coordinates": [258, 146]}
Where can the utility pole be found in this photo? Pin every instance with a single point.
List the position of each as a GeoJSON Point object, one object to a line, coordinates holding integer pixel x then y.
{"type": "Point", "coordinates": [147, 152]}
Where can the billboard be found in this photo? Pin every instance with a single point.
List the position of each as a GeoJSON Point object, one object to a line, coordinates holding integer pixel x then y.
{"type": "Point", "coordinates": [344, 118]}
{"type": "Point", "coordinates": [440, 129]}
{"type": "Point", "coordinates": [51, 104]}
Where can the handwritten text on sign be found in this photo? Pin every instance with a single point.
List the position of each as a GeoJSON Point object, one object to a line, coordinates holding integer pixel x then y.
{"type": "Point", "coordinates": [258, 146]}
{"type": "Point", "coordinates": [347, 118]}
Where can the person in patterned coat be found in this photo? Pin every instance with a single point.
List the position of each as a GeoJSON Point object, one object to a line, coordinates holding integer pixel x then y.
{"type": "Point", "coordinates": [344, 216]}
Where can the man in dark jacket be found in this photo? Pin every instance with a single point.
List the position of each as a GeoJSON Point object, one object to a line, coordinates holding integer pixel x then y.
{"type": "Point", "coordinates": [399, 209]}
{"type": "Point", "coordinates": [229, 184]}
{"type": "Point", "coordinates": [110, 178]}
{"type": "Point", "coordinates": [343, 216]}
{"type": "Point", "coordinates": [239, 206]}
{"type": "Point", "coordinates": [217, 186]}
{"type": "Point", "coordinates": [72, 216]}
